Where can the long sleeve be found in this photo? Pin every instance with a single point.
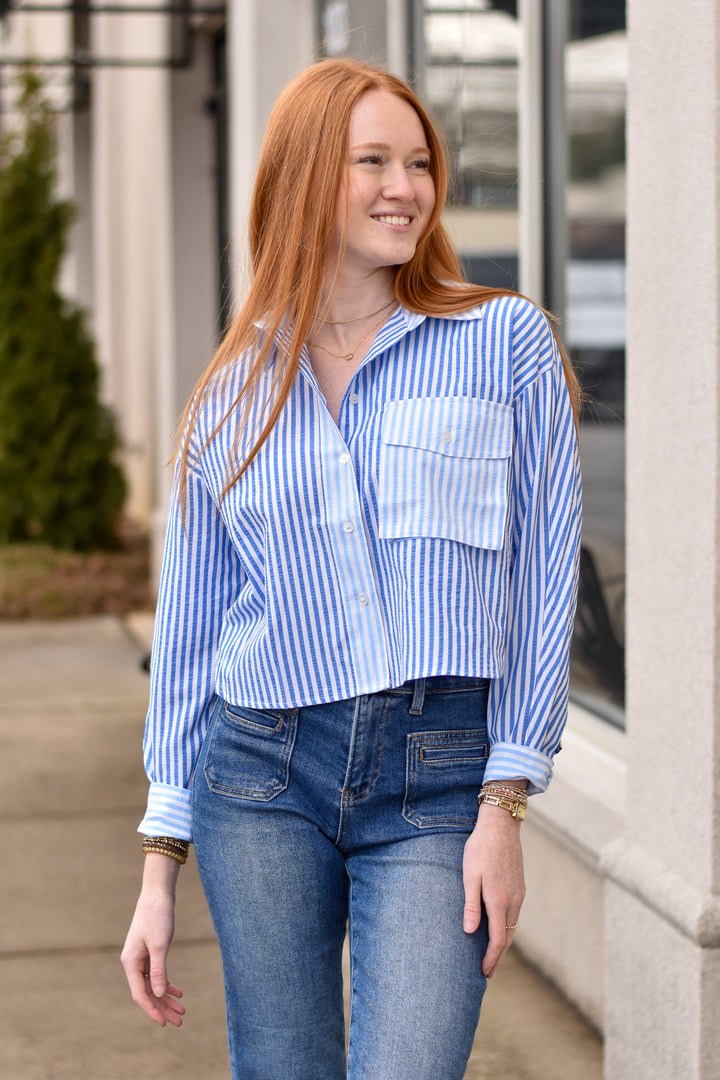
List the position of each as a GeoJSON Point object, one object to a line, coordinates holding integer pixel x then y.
{"type": "Point", "coordinates": [528, 703]}
{"type": "Point", "coordinates": [201, 576]}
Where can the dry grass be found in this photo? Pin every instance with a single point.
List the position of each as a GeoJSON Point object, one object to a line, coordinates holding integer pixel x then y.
{"type": "Point", "coordinates": [38, 582]}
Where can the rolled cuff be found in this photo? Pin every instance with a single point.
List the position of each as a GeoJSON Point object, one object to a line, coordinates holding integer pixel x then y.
{"type": "Point", "coordinates": [508, 761]}
{"type": "Point", "coordinates": [168, 813]}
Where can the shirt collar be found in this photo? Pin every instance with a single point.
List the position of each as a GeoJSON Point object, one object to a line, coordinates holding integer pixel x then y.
{"type": "Point", "coordinates": [401, 322]}
{"type": "Point", "coordinates": [412, 318]}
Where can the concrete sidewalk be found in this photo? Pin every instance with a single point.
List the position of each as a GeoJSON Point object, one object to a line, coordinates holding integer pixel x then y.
{"type": "Point", "coordinates": [72, 789]}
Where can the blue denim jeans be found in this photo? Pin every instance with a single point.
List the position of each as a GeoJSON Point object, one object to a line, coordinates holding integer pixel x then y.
{"type": "Point", "coordinates": [355, 814]}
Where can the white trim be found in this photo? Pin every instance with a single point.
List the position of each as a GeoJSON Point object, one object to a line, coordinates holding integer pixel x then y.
{"type": "Point", "coordinates": [584, 807]}
{"type": "Point", "coordinates": [242, 129]}
{"type": "Point", "coordinates": [530, 126]}
{"type": "Point", "coordinates": [396, 36]}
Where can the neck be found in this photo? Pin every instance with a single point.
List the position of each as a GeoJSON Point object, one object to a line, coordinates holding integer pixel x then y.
{"type": "Point", "coordinates": [345, 301]}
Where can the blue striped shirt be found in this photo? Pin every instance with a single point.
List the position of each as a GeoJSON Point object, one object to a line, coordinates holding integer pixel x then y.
{"type": "Point", "coordinates": [433, 531]}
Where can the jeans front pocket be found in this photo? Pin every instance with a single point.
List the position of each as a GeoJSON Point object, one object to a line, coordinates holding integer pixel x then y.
{"type": "Point", "coordinates": [248, 756]}
{"type": "Point", "coordinates": [444, 773]}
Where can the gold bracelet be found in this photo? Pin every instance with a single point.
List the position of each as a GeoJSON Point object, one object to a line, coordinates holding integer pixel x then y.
{"type": "Point", "coordinates": [182, 859]}
{"type": "Point", "coordinates": [500, 787]}
{"type": "Point", "coordinates": [515, 806]}
{"type": "Point", "coordinates": [151, 842]}
{"type": "Point", "coordinates": [158, 849]}
{"type": "Point", "coordinates": [166, 845]}
{"type": "Point", "coordinates": [517, 788]}
{"type": "Point", "coordinates": [169, 841]}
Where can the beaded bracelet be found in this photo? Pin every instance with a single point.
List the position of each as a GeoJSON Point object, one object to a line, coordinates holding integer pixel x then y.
{"type": "Point", "coordinates": [169, 841]}
{"type": "Point", "coordinates": [166, 845]}
{"type": "Point", "coordinates": [182, 859]}
{"type": "Point", "coordinates": [516, 785]}
{"type": "Point", "coordinates": [181, 846]}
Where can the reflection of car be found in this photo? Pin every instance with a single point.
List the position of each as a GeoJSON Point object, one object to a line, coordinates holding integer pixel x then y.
{"type": "Point", "coordinates": [602, 372]}
{"type": "Point", "coordinates": [598, 656]}
{"type": "Point", "coordinates": [598, 650]}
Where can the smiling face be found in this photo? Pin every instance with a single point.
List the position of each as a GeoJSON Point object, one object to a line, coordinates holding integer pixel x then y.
{"type": "Point", "coordinates": [388, 195]}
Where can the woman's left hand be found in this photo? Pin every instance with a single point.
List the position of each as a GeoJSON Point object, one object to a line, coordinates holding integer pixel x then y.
{"type": "Point", "coordinates": [493, 877]}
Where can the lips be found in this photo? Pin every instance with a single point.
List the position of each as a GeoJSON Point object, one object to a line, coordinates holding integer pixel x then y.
{"type": "Point", "coordinates": [392, 219]}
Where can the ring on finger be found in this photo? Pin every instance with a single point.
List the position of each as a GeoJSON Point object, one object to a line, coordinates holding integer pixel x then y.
{"type": "Point", "coordinates": [513, 927]}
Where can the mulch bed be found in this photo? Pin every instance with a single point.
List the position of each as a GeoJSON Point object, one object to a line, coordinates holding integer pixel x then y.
{"type": "Point", "coordinates": [38, 582]}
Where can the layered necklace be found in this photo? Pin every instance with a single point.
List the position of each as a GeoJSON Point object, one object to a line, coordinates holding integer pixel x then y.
{"type": "Point", "coordinates": [342, 322]}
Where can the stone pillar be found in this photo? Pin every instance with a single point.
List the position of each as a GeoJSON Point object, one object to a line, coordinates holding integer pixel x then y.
{"type": "Point", "coordinates": [133, 239]}
{"type": "Point", "coordinates": [268, 44]}
{"type": "Point", "coordinates": [662, 893]}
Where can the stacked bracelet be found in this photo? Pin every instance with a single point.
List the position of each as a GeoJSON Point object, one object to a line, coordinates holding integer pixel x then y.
{"type": "Point", "coordinates": [506, 787]}
{"type": "Point", "coordinates": [166, 845]}
{"type": "Point", "coordinates": [506, 795]}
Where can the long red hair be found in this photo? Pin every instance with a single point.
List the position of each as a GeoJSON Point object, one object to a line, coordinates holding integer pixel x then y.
{"type": "Point", "coordinates": [292, 221]}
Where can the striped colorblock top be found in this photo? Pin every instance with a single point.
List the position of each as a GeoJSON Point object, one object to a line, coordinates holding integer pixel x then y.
{"type": "Point", "coordinates": [433, 531]}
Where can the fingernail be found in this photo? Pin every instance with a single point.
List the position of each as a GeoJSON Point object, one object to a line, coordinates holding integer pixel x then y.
{"type": "Point", "coordinates": [158, 991]}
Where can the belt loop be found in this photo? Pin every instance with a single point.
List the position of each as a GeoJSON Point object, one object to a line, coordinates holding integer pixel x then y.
{"type": "Point", "coordinates": [418, 700]}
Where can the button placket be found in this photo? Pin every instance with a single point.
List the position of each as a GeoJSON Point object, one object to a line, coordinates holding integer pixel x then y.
{"type": "Point", "coordinates": [363, 617]}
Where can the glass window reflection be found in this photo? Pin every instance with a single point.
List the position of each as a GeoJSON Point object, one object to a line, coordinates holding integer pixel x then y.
{"type": "Point", "coordinates": [469, 72]}
{"type": "Point", "coordinates": [596, 82]}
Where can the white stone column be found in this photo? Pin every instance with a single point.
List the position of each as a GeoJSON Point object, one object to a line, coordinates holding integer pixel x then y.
{"type": "Point", "coordinates": [662, 898]}
{"type": "Point", "coordinates": [530, 136]}
{"type": "Point", "coordinates": [267, 46]}
{"type": "Point", "coordinates": [132, 240]}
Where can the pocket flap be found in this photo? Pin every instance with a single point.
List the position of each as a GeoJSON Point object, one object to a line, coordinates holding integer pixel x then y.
{"type": "Point", "coordinates": [456, 427]}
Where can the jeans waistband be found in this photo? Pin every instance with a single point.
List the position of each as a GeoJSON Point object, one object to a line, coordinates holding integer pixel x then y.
{"type": "Point", "coordinates": [436, 684]}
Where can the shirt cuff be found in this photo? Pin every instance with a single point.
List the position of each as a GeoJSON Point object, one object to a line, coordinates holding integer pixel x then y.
{"type": "Point", "coordinates": [508, 761]}
{"type": "Point", "coordinates": [168, 813]}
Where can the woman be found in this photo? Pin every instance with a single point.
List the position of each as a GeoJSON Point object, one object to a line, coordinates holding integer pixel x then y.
{"type": "Point", "coordinates": [364, 614]}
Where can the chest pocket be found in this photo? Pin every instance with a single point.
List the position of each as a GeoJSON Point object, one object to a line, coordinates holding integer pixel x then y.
{"type": "Point", "coordinates": [444, 470]}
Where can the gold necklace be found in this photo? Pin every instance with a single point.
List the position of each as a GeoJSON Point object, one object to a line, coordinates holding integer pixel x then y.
{"type": "Point", "coordinates": [344, 322]}
{"type": "Point", "coordinates": [349, 356]}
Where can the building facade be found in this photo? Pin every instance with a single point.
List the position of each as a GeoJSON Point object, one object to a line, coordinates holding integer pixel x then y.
{"type": "Point", "coordinates": [161, 110]}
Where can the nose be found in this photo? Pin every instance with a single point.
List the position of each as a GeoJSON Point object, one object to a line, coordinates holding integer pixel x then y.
{"type": "Point", "coordinates": [397, 182]}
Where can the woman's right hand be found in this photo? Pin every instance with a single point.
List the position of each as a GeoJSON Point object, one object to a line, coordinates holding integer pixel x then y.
{"type": "Point", "coordinates": [144, 955]}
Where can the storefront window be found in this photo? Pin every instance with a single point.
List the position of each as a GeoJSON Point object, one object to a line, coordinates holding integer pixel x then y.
{"type": "Point", "coordinates": [469, 79]}
{"type": "Point", "coordinates": [464, 57]}
{"type": "Point", "coordinates": [595, 81]}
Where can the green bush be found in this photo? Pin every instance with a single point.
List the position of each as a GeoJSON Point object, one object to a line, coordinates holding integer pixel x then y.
{"type": "Point", "coordinates": [59, 481]}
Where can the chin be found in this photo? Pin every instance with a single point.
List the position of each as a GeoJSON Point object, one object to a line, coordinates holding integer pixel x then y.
{"type": "Point", "coordinates": [400, 255]}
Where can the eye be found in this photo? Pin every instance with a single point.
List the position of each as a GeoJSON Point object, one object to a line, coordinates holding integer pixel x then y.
{"type": "Point", "coordinates": [420, 164]}
{"type": "Point", "coordinates": [370, 159]}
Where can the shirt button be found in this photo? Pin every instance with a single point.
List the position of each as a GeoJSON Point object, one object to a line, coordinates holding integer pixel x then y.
{"type": "Point", "coordinates": [348, 526]}
{"type": "Point", "coordinates": [364, 600]}
{"type": "Point", "coordinates": [446, 435]}
{"type": "Point", "coordinates": [344, 458]}
{"type": "Point", "coordinates": [353, 399]}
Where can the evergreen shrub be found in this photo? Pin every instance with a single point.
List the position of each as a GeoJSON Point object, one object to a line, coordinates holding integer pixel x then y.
{"type": "Point", "coordinates": [59, 481]}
